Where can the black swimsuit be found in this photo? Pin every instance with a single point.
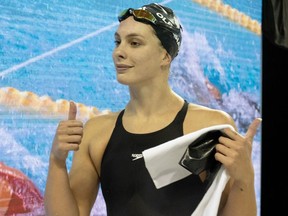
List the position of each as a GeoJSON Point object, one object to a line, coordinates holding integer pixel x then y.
{"type": "Point", "coordinates": [126, 185]}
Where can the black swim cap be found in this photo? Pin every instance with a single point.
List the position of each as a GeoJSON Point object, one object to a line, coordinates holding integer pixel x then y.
{"type": "Point", "coordinates": [166, 25]}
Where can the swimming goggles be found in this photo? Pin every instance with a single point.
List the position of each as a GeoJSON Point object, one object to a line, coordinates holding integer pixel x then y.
{"type": "Point", "coordinates": [147, 17]}
{"type": "Point", "coordinates": [139, 15]}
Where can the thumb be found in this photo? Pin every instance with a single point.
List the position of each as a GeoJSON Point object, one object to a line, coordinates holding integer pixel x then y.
{"type": "Point", "coordinates": [72, 111]}
{"type": "Point", "coordinates": [252, 129]}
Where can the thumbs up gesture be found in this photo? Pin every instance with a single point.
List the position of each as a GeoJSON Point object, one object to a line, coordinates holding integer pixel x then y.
{"type": "Point", "coordinates": [235, 153]}
{"type": "Point", "coordinates": [68, 135]}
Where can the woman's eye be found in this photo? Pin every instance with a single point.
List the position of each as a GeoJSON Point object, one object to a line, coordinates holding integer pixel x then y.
{"type": "Point", "coordinates": [116, 42]}
{"type": "Point", "coordinates": [134, 43]}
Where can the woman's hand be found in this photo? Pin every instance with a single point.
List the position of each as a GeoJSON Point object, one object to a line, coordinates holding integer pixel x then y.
{"type": "Point", "coordinates": [235, 152]}
{"type": "Point", "coordinates": [68, 135]}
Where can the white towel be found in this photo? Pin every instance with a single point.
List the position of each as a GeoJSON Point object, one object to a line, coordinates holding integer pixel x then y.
{"type": "Point", "coordinates": [163, 166]}
{"type": "Point", "coordinates": [209, 204]}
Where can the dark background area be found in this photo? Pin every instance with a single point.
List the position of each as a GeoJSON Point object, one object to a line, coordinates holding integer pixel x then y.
{"type": "Point", "coordinates": [274, 179]}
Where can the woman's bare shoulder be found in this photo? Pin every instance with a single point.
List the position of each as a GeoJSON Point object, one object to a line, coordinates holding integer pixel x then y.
{"type": "Point", "coordinates": [101, 121]}
{"type": "Point", "coordinates": [199, 116]}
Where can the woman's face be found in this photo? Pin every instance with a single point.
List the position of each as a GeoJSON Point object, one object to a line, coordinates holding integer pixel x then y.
{"type": "Point", "coordinates": [138, 54]}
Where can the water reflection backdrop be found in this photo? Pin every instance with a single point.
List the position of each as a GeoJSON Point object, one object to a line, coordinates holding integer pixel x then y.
{"type": "Point", "coordinates": [55, 51]}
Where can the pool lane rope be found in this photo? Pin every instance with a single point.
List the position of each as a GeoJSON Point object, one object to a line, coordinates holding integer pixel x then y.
{"type": "Point", "coordinates": [232, 14]}
{"type": "Point", "coordinates": [28, 102]}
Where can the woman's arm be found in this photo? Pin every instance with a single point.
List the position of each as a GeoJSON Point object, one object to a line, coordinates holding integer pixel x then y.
{"type": "Point", "coordinates": [235, 153]}
{"type": "Point", "coordinates": [70, 194]}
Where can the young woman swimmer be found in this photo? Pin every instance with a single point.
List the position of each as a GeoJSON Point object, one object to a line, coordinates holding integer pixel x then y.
{"type": "Point", "coordinates": [107, 149]}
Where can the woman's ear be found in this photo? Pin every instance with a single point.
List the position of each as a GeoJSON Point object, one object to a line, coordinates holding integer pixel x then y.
{"type": "Point", "coordinates": [166, 59]}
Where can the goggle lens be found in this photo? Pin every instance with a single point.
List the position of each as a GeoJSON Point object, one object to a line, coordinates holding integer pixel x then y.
{"type": "Point", "coordinates": [138, 14]}
{"type": "Point", "coordinates": [146, 15]}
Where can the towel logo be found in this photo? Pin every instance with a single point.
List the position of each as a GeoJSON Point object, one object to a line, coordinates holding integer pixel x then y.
{"type": "Point", "coordinates": [136, 156]}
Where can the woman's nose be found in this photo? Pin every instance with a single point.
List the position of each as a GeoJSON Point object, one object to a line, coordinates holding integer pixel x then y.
{"type": "Point", "coordinates": [119, 52]}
